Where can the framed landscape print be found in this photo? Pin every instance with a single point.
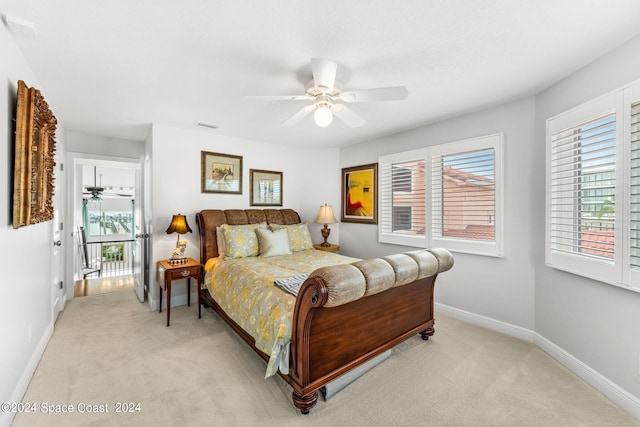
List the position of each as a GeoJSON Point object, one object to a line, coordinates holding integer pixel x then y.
{"type": "Point", "coordinates": [221, 173]}
{"type": "Point", "coordinates": [359, 194]}
{"type": "Point", "coordinates": [266, 188]}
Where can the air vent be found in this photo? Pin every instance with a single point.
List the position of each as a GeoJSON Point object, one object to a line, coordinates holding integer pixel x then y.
{"type": "Point", "coordinates": [207, 125]}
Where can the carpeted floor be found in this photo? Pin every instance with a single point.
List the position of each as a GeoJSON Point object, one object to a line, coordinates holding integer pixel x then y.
{"type": "Point", "coordinates": [109, 352]}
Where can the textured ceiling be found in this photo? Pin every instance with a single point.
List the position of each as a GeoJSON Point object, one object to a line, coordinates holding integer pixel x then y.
{"type": "Point", "coordinates": [111, 68]}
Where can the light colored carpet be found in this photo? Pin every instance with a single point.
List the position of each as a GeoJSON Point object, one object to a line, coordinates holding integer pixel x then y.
{"type": "Point", "coordinates": [110, 348]}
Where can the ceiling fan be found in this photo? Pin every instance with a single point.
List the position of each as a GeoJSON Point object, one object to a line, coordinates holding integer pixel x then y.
{"type": "Point", "coordinates": [327, 97]}
{"type": "Point", "coordinates": [97, 190]}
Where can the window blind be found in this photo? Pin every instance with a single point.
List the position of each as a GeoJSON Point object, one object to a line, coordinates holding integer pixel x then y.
{"type": "Point", "coordinates": [463, 195]}
{"type": "Point", "coordinates": [445, 195]}
{"type": "Point", "coordinates": [634, 216]}
{"type": "Point", "coordinates": [582, 188]}
{"type": "Point", "coordinates": [403, 195]}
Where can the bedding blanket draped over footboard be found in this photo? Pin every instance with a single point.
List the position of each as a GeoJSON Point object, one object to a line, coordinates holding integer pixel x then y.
{"type": "Point", "coordinates": [245, 289]}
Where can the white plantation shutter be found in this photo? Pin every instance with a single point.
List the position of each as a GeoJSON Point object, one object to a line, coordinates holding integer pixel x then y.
{"type": "Point", "coordinates": [583, 186]}
{"type": "Point", "coordinates": [593, 189]}
{"type": "Point", "coordinates": [402, 198]}
{"type": "Point", "coordinates": [446, 195]}
{"type": "Point", "coordinates": [634, 217]}
{"type": "Point", "coordinates": [463, 195]}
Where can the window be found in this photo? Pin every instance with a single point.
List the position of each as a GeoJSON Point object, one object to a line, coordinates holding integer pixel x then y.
{"type": "Point", "coordinates": [593, 189]}
{"type": "Point", "coordinates": [402, 198]}
{"type": "Point", "coordinates": [446, 195]}
{"type": "Point", "coordinates": [111, 217]}
{"type": "Point", "coordinates": [401, 176]}
{"type": "Point", "coordinates": [402, 218]}
{"type": "Point", "coordinates": [464, 195]}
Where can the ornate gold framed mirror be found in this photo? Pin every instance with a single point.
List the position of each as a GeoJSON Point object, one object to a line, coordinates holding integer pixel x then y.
{"type": "Point", "coordinates": [34, 158]}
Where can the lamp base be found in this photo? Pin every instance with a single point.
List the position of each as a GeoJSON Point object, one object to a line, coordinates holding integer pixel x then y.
{"type": "Point", "coordinates": [325, 233]}
{"type": "Point", "coordinates": [178, 256]}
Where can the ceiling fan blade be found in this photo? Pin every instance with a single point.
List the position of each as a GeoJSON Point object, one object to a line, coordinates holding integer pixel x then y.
{"type": "Point", "coordinates": [281, 98]}
{"type": "Point", "coordinates": [395, 93]}
{"type": "Point", "coordinates": [324, 73]}
{"type": "Point", "coordinates": [299, 115]}
{"type": "Point", "coordinates": [347, 115]}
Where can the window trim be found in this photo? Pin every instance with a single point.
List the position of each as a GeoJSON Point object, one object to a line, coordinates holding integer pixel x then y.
{"type": "Point", "coordinates": [618, 271]}
{"type": "Point", "coordinates": [493, 248]}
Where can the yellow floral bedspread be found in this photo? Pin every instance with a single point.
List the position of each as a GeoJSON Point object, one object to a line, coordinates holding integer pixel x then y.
{"type": "Point", "coordinates": [244, 288]}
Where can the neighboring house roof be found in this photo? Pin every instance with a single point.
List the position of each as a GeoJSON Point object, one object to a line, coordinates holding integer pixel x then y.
{"type": "Point", "coordinates": [478, 232]}
{"type": "Point", "coordinates": [463, 177]}
{"type": "Point", "coordinates": [598, 242]}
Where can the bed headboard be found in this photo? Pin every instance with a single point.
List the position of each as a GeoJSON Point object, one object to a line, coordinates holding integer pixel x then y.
{"type": "Point", "coordinates": [208, 219]}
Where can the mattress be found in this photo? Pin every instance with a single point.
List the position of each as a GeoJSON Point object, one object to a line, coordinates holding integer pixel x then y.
{"type": "Point", "coordinates": [245, 289]}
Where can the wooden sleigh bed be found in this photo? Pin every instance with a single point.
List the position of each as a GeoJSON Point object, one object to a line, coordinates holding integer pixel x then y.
{"type": "Point", "coordinates": [344, 315]}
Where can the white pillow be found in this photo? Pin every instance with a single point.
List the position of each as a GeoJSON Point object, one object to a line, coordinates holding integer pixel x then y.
{"type": "Point", "coordinates": [299, 236]}
{"type": "Point", "coordinates": [273, 243]}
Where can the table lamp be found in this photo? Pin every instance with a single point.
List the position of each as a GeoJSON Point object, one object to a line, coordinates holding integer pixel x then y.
{"type": "Point", "coordinates": [179, 225]}
{"type": "Point", "coordinates": [325, 216]}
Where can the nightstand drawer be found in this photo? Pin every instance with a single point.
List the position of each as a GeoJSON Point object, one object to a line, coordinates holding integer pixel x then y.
{"type": "Point", "coordinates": [184, 273]}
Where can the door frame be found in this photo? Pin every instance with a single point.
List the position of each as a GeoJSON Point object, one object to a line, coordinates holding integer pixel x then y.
{"type": "Point", "coordinates": [57, 233]}
{"type": "Point", "coordinates": [75, 162]}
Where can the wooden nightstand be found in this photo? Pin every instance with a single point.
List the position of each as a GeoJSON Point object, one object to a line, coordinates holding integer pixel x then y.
{"type": "Point", "coordinates": [330, 248]}
{"type": "Point", "coordinates": [166, 272]}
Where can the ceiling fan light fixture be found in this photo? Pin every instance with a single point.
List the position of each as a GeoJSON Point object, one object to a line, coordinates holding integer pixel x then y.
{"type": "Point", "coordinates": [326, 97]}
{"type": "Point", "coordinates": [323, 116]}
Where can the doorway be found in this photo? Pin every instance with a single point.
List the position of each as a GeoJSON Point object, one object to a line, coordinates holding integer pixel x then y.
{"type": "Point", "coordinates": [108, 226]}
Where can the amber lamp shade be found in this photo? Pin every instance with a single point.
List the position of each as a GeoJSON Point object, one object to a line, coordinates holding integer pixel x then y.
{"type": "Point", "coordinates": [326, 216]}
{"type": "Point", "coordinates": [179, 225]}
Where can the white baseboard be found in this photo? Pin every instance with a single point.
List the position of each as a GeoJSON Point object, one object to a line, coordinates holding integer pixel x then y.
{"type": "Point", "coordinates": [487, 322]}
{"type": "Point", "coordinates": [176, 301]}
{"type": "Point", "coordinates": [611, 390]}
{"type": "Point", "coordinates": [6, 418]}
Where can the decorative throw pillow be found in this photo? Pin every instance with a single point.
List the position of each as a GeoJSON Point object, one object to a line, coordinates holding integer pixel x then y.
{"type": "Point", "coordinates": [240, 241]}
{"type": "Point", "coordinates": [299, 236]}
{"type": "Point", "coordinates": [274, 242]}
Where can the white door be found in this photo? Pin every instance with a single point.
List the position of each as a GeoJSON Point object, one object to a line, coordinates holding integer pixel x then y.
{"type": "Point", "coordinates": [141, 235]}
{"type": "Point", "coordinates": [57, 234]}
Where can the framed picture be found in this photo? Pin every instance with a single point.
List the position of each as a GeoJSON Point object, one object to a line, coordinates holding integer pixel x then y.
{"type": "Point", "coordinates": [359, 194]}
{"type": "Point", "coordinates": [266, 188]}
{"type": "Point", "coordinates": [34, 158]}
{"type": "Point", "coordinates": [221, 173]}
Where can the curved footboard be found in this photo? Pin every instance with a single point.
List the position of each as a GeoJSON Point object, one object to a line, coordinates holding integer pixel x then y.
{"type": "Point", "coordinates": [348, 314]}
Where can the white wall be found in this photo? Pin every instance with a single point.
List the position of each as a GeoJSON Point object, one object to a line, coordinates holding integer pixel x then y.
{"type": "Point", "coordinates": [498, 288]}
{"type": "Point", "coordinates": [309, 180]}
{"type": "Point", "coordinates": [26, 315]}
{"type": "Point", "coordinates": [598, 324]}
{"type": "Point", "coordinates": [102, 145]}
